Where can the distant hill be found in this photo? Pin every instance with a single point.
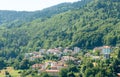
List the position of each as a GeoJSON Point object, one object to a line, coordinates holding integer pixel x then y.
{"type": "Point", "coordinates": [57, 9]}
{"type": "Point", "coordinates": [23, 16]}
{"type": "Point", "coordinates": [95, 24]}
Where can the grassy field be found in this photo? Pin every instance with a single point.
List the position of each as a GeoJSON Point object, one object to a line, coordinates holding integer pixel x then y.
{"type": "Point", "coordinates": [11, 71]}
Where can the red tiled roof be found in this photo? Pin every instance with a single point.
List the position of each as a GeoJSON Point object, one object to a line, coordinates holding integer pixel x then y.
{"type": "Point", "coordinates": [106, 46]}
{"type": "Point", "coordinates": [54, 67]}
{"type": "Point", "coordinates": [52, 71]}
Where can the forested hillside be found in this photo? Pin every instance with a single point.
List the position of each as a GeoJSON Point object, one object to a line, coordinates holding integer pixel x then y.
{"type": "Point", "coordinates": [24, 16]}
{"type": "Point", "coordinates": [95, 24]}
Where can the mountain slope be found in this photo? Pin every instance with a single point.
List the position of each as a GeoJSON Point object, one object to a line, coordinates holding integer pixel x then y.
{"type": "Point", "coordinates": [96, 24]}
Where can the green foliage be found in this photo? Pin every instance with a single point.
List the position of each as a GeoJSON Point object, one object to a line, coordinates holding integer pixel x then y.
{"type": "Point", "coordinates": [44, 74]}
{"type": "Point", "coordinates": [85, 28]}
{"type": "Point", "coordinates": [45, 30]}
{"type": "Point", "coordinates": [116, 62]}
{"type": "Point", "coordinates": [2, 63]}
{"type": "Point", "coordinates": [70, 74]}
{"type": "Point", "coordinates": [63, 72]}
{"type": "Point", "coordinates": [23, 65]}
{"type": "Point", "coordinates": [7, 74]}
{"type": "Point", "coordinates": [73, 68]}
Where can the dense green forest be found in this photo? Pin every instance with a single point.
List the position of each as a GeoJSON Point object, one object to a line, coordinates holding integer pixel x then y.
{"type": "Point", "coordinates": [93, 23]}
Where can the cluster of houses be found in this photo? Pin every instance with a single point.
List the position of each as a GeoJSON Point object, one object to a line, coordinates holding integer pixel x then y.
{"type": "Point", "coordinates": [32, 56]}
{"type": "Point", "coordinates": [55, 51]}
{"type": "Point", "coordinates": [53, 67]}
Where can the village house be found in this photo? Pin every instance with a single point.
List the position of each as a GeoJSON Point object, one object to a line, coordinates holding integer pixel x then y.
{"type": "Point", "coordinates": [55, 51]}
{"type": "Point", "coordinates": [61, 65]}
{"type": "Point", "coordinates": [32, 56]}
{"type": "Point", "coordinates": [67, 51]}
{"type": "Point", "coordinates": [35, 57]}
{"type": "Point", "coordinates": [88, 55]}
{"type": "Point", "coordinates": [97, 49]}
{"type": "Point", "coordinates": [42, 51]}
{"type": "Point", "coordinates": [38, 66]}
{"type": "Point", "coordinates": [27, 55]}
{"type": "Point", "coordinates": [36, 53]}
{"type": "Point", "coordinates": [54, 73]}
{"type": "Point", "coordinates": [50, 63]}
{"type": "Point", "coordinates": [66, 58]}
{"type": "Point", "coordinates": [76, 49]}
{"type": "Point", "coordinates": [54, 67]}
{"type": "Point", "coordinates": [105, 51]}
